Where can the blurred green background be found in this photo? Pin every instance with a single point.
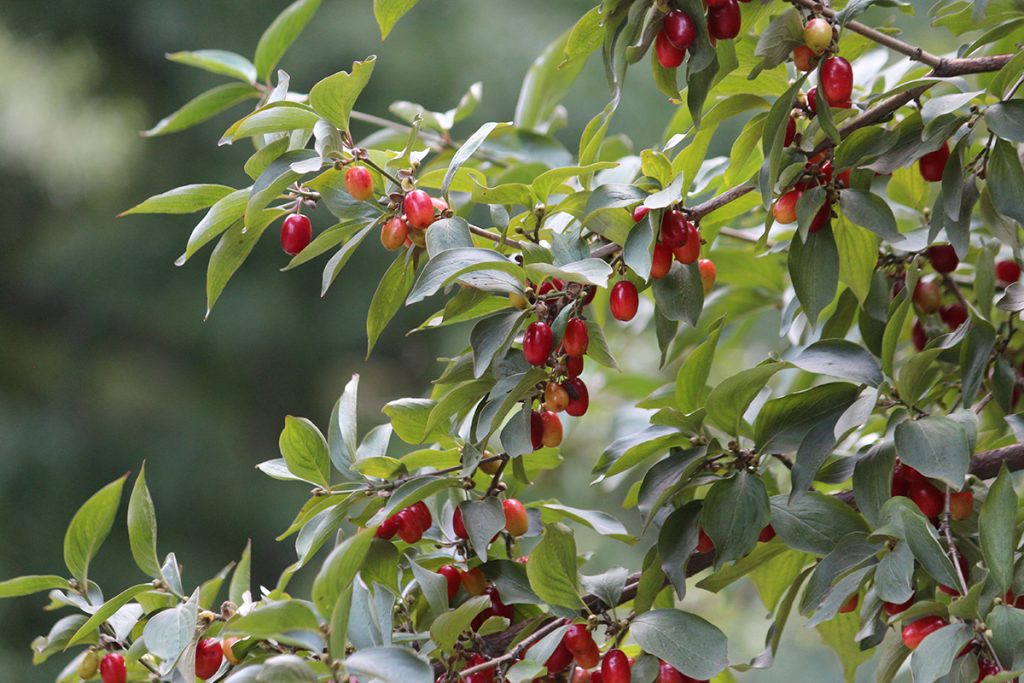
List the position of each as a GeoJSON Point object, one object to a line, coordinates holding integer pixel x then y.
{"type": "Point", "coordinates": [105, 359]}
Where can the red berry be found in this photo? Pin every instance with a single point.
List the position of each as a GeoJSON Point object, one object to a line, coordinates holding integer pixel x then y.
{"type": "Point", "coordinates": [452, 575]}
{"type": "Point", "coordinates": [804, 58]}
{"type": "Point", "coordinates": [675, 229]}
{"type": "Point", "coordinates": [419, 210]}
{"type": "Point", "coordinates": [359, 182]}
{"type": "Point", "coordinates": [919, 336]}
{"type": "Point", "coordinates": [668, 55]}
{"type": "Point", "coordinates": [822, 219]}
{"type": "Point", "coordinates": [296, 234]}
{"type": "Point", "coordinates": [559, 659]}
{"type": "Point", "coordinates": [790, 132]}
{"type": "Point", "coordinates": [767, 534]}
{"type": "Point", "coordinates": [784, 210]}
{"type": "Point", "coordinates": [517, 522]}
{"type": "Point", "coordinates": [576, 338]}
{"type": "Point", "coordinates": [812, 100]}
{"type": "Point", "coordinates": [916, 631]}
{"type": "Point", "coordinates": [661, 262]}
{"type": "Point", "coordinates": [497, 606]}
{"type": "Point", "coordinates": [458, 526]}
{"type": "Point", "coordinates": [707, 274]}
{"type": "Point", "coordinates": [1007, 272]}
{"type": "Point", "coordinates": [537, 343]}
{"type": "Point", "coordinates": [927, 297]}
{"type": "Point", "coordinates": [898, 487]}
{"type": "Point", "coordinates": [485, 676]}
{"type": "Point", "coordinates": [551, 435]}
{"type": "Point", "coordinates": [844, 178]}
{"type": "Point", "coordinates": [536, 430]}
{"type": "Point", "coordinates": [933, 164]}
{"type": "Point", "coordinates": [113, 669]}
{"type": "Point", "coordinates": [624, 300]}
{"type": "Point", "coordinates": [552, 285]}
{"type": "Point", "coordinates": [409, 529]}
{"type": "Point", "coordinates": [679, 29]}
{"type": "Point", "coordinates": [639, 213]}
{"type": "Point", "coordinates": [961, 505]}
{"type": "Point", "coordinates": [579, 397]}
{"type": "Point", "coordinates": [668, 673]}
{"type": "Point", "coordinates": [615, 667]}
{"type": "Point", "coordinates": [817, 35]}
{"type": "Point", "coordinates": [426, 520]}
{"type": "Point", "coordinates": [394, 233]}
{"type": "Point", "coordinates": [943, 258]}
{"type": "Point", "coordinates": [689, 252]}
{"type": "Point", "coordinates": [209, 655]}
{"type": "Point", "coordinates": [388, 528]}
{"type": "Point", "coordinates": [987, 667]}
{"type": "Point", "coordinates": [849, 605]}
{"type": "Point", "coordinates": [724, 20]}
{"type": "Point", "coordinates": [704, 543]}
{"type": "Point", "coordinates": [582, 646]}
{"type": "Point", "coordinates": [954, 316]}
{"type": "Point", "coordinates": [573, 366]}
{"type": "Point", "coordinates": [892, 608]}
{"type": "Point", "coordinates": [837, 80]}
{"type": "Point", "coordinates": [474, 581]}
{"type": "Point", "coordinates": [555, 397]}
{"type": "Point", "coordinates": [928, 498]}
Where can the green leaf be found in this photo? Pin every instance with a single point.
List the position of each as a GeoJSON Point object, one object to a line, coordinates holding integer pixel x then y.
{"type": "Point", "coordinates": [730, 399]}
{"type": "Point", "coordinates": [280, 35]}
{"type": "Point", "coordinates": [870, 211]}
{"type": "Point", "coordinates": [27, 585]}
{"type": "Point", "coordinates": [735, 510]}
{"type": "Point", "coordinates": [858, 256]}
{"type": "Point", "coordinates": [466, 151]}
{"type": "Point", "coordinates": [276, 117]}
{"type": "Point", "coordinates": [840, 358]}
{"type": "Point", "coordinates": [449, 265]}
{"type": "Point", "coordinates": [680, 294]}
{"type": "Point", "coordinates": [483, 520]}
{"type": "Point", "coordinates": [894, 330]}
{"type": "Point", "coordinates": [1006, 120]}
{"type": "Point", "coordinates": [305, 450]}
{"type": "Point", "coordinates": [997, 530]}
{"type": "Point", "coordinates": [814, 523]}
{"type": "Point", "coordinates": [601, 522]}
{"type": "Point", "coordinates": [219, 218]}
{"type": "Point", "coordinates": [339, 570]}
{"type": "Point", "coordinates": [168, 633]}
{"type": "Point", "coordinates": [142, 527]}
{"type": "Point", "coordinates": [203, 107]}
{"type": "Point", "coordinates": [341, 257]}
{"type": "Point", "coordinates": [89, 528]}
{"type": "Point", "coordinates": [692, 378]}
{"type": "Point", "coordinates": [546, 83]}
{"type": "Point", "coordinates": [934, 657]}
{"type": "Point", "coordinates": [1005, 178]}
{"type": "Point", "coordinates": [631, 450]}
{"type": "Point", "coordinates": [388, 12]}
{"type": "Point", "coordinates": [184, 199]}
{"type": "Point", "coordinates": [218, 62]}
{"type": "Point", "coordinates": [278, 176]}
{"type": "Point", "coordinates": [814, 269]}
{"type": "Point", "coordinates": [840, 634]}
{"type": "Point", "coordinates": [241, 578]}
{"type": "Point", "coordinates": [922, 539]}
{"type": "Point", "coordinates": [783, 422]}
{"type": "Point", "coordinates": [775, 135]}
{"type": "Point", "coordinates": [275, 619]}
{"type": "Point", "coordinates": [936, 447]}
{"type": "Point", "coordinates": [334, 96]}
{"type": "Point", "coordinates": [552, 569]}
{"type": "Point", "coordinates": [388, 299]}
{"type": "Point", "coordinates": [447, 628]}
{"type": "Point", "coordinates": [106, 610]}
{"type": "Point", "coordinates": [689, 643]}
{"type": "Point", "coordinates": [390, 665]}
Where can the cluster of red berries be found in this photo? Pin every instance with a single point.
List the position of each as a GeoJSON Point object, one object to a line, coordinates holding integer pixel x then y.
{"type": "Point", "coordinates": [475, 583]}
{"type": "Point", "coordinates": [409, 523]}
{"type": "Point", "coordinates": [818, 172]}
{"type": "Point", "coordinates": [420, 212]}
{"type": "Point", "coordinates": [928, 297]}
{"type": "Point", "coordinates": [908, 482]}
{"type": "Point", "coordinates": [706, 545]}
{"type": "Point", "coordinates": [578, 646]}
{"type": "Point", "coordinates": [112, 668]}
{"type": "Point", "coordinates": [678, 30]}
{"type": "Point", "coordinates": [517, 521]}
{"type": "Point", "coordinates": [919, 629]}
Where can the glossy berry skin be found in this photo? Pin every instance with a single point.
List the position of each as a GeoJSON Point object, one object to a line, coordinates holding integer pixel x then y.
{"type": "Point", "coordinates": [582, 646]}
{"type": "Point", "coordinates": [639, 213]}
{"type": "Point", "coordinates": [517, 522]}
{"type": "Point", "coordinates": [536, 430]}
{"type": "Point", "coordinates": [919, 336]}
{"type": "Point", "coordinates": [822, 219]}
{"type": "Point", "coordinates": [767, 534]}
{"type": "Point", "coordinates": [784, 210]}
{"type": "Point", "coordinates": [551, 435]}
{"type": "Point", "coordinates": [812, 100]}
{"type": "Point", "coordinates": [661, 261]}
{"type": "Point", "coordinates": [668, 673]}
{"type": "Point", "coordinates": [892, 608]}
{"type": "Point", "coordinates": [573, 367]}
{"type": "Point", "coordinates": [850, 605]}
{"type": "Point", "coordinates": [1007, 272]}
{"type": "Point", "coordinates": [933, 164]}
{"type": "Point", "coordinates": [689, 252]}
{"type": "Point", "coordinates": [986, 668]}
{"type": "Point", "coordinates": [679, 29]}
{"type": "Point", "coordinates": [229, 651]}
{"type": "Point", "coordinates": [423, 515]}
{"type": "Point", "coordinates": [409, 529]}
{"type": "Point", "coordinates": [724, 20]}
{"type": "Point", "coordinates": [559, 660]}
{"type": "Point", "coordinates": [704, 543]}
{"type": "Point", "coordinates": [624, 300]}
{"type": "Point", "coordinates": [667, 54]}
{"type": "Point", "coordinates": [927, 297]}
{"type": "Point", "coordinates": [954, 316]}
{"type": "Point", "coordinates": [790, 132]}
{"type": "Point", "coordinates": [817, 35]}
{"type": "Point", "coordinates": [419, 210]}
{"type": "Point", "coordinates": [388, 528]}
{"type": "Point", "coordinates": [458, 526]}
{"type": "Point", "coordinates": [537, 343]}
{"type": "Point", "coordinates": [474, 581]}
{"type": "Point", "coordinates": [579, 397]}
{"type": "Point", "coordinates": [209, 655]}
{"type": "Point", "coordinates": [296, 234]}
{"type": "Point", "coordinates": [453, 576]}
{"type": "Point", "coordinates": [804, 58]}
{"type": "Point", "coordinates": [485, 676]}
{"type": "Point", "coordinates": [707, 274]}
{"type": "Point", "coordinates": [943, 258]}
{"type": "Point", "coordinates": [113, 669]}
{"type": "Point", "coordinates": [928, 498]}
{"type": "Point", "coordinates": [555, 397]}
{"type": "Point", "coordinates": [961, 505]}
{"type": "Point", "coordinates": [576, 338]}
{"type": "Point", "coordinates": [615, 667]}
{"type": "Point", "coordinates": [837, 80]}
{"type": "Point", "coordinates": [359, 182]}
{"type": "Point", "coordinates": [393, 233]}
{"type": "Point", "coordinates": [675, 229]}
{"type": "Point", "coordinates": [916, 631]}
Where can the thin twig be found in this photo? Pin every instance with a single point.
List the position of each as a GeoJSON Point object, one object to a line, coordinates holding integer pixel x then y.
{"type": "Point", "coordinates": [514, 654]}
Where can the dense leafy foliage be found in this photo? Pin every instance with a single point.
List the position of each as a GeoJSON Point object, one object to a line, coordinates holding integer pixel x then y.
{"type": "Point", "coordinates": [861, 473]}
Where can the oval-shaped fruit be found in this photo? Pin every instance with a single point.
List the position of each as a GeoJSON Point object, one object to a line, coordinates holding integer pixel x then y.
{"type": "Point", "coordinates": [933, 164]}
{"type": "Point", "coordinates": [724, 20]}
{"type": "Point", "coordinates": [919, 336]}
{"type": "Point", "coordinates": [579, 397]}
{"type": "Point", "coordinates": [359, 182]}
{"type": "Point", "coordinates": [458, 526]}
{"type": "Point", "coordinates": [667, 54]}
{"type": "Point", "coordinates": [474, 581]}
{"type": "Point", "coordinates": [679, 29]}
{"type": "Point", "coordinates": [578, 639]}
{"type": "Point", "coordinates": [767, 534]}
{"type": "Point", "coordinates": [661, 261]}
{"type": "Point", "coordinates": [573, 367]}
{"type": "Point", "coordinates": [943, 258]}
{"type": "Point", "coordinates": [707, 274]}
{"type": "Point", "coordinates": [113, 669]}
{"type": "Point", "coordinates": [674, 228]}
{"type": "Point", "coordinates": [615, 667]}
{"type": "Point", "coordinates": [954, 316]}
{"type": "Point", "coordinates": [394, 233]}
{"type": "Point", "coordinates": [892, 608]}
{"type": "Point", "coordinates": [850, 604]}
{"type": "Point", "coordinates": [817, 34]}
{"type": "Point", "coordinates": [640, 212]}
{"type": "Point", "coordinates": [517, 522]}
{"type": "Point", "coordinates": [812, 100]}
{"type": "Point", "coordinates": [409, 529]}
{"type": "Point", "coordinates": [559, 660]}
{"type": "Point", "coordinates": [928, 498]}
{"type": "Point", "coordinates": [296, 234]}
{"type": "Point", "coordinates": [555, 397]}
{"type": "Point", "coordinates": [689, 252]}
{"type": "Point", "coordinates": [552, 434]}
{"type": "Point", "coordinates": [426, 520]}
{"type": "Point", "coordinates": [961, 504]}
{"type": "Point", "coordinates": [784, 210]}
{"type": "Point", "coordinates": [927, 297]}
{"type": "Point", "coordinates": [537, 343]}
{"type": "Point", "coordinates": [790, 132]}
{"type": "Point", "coordinates": [439, 204]}
{"type": "Point", "coordinates": [388, 528]}
{"type": "Point", "coordinates": [451, 574]}
{"type": "Point", "coordinates": [837, 80]}
{"type": "Point", "coordinates": [209, 656]}
{"type": "Point", "coordinates": [668, 673]}
{"type": "Point", "coordinates": [419, 210]}
{"type": "Point", "coordinates": [497, 606]}
{"type": "Point", "coordinates": [576, 338]}
{"type": "Point", "coordinates": [485, 676]}
{"type": "Point", "coordinates": [552, 285]}
{"type": "Point", "coordinates": [916, 631]}
{"type": "Point", "coordinates": [90, 664]}
{"type": "Point", "coordinates": [804, 58]}
{"type": "Point", "coordinates": [1007, 271]}
{"type": "Point", "coordinates": [624, 301]}
{"type": "Point", "coordinates": [704, 542]}
{"type": "Point", "coordinates": [536, 430]}
{"type": "Point", "coordinates": [229, 650]}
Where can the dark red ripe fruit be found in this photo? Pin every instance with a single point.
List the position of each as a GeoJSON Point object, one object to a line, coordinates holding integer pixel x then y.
{"type": "Point", "coordinates": [724, 20]}
{"type": "Point", "coordinates": [552, 428]}
{"type": "Point", "coordinates": [1007, 272]}
{"type": "Point", "coordinates": [552, 285]}
{"type": "Point", "coordinates": [359, 182]}
{"type": "Point", "coordinates": [892, 609]}
{"type": "Point", "coordinates": [933, 164]}
{"type": "Point", "coordinates": [485, 676]}
{"type": "Point", "coordinates": [589, 292]}
{"type": "Point", "coordinates": [624, 300]}
{"type": "Point", "coordinates": [615, 667]}
{"type": "Point", "coordinates": [474, 581]}
{"type": "Point", "coordinates": [388, 528]}
{"type": "Point", "coordinates": [497, 606]}
{"type": "Point", "coordinates": [113, 669]}
{"type": "Point", "coordinates": [573, 366]}
{"type": "Point", "coordinates": [790, 132]}
{"type": "Point", "coordinates": [850, 604]}
{"type": "Point", "coordinates": [419, 210]}
{"type": "Point", "coordinates": [927, 297]}
{"type": "Point", "coordinates": [452, 575]}
{"type": "Point", "coordinates": [639, 213]}
{"type": "Point", "coordinates": [899, 480]}
{"type": "Point", "coordinates": [675, 229]}
{"type": "Point", "coordinates": [919, 336]}
{"type": "Point", "coordinates": [668, 55]}
{"type": "Point", "coordinates": [517, 522]}
{"type": "Point", "coordinates": [844, 178]}
{"type": "Point", "coordinates": [661, 261]}
{"type": "Point", "coordinates": [559, 659]}
{"type": "Point", "coordinates": [812, 100]}
{"type": "Point", "coordinates": [822, 219]}
{"type": "Point", "coordinates": [704, 543]}
{"type": "Point", "coordinates": [209, 655]}
{"type": "Point", "coordinates": [579, 397]}
{"type": "Point", "coordinates": [458, 526]}
{"type": "Point", "coordinates": [537, 343]}
{"type": "Point", "coordinates": [836, 80]}
{"type": "Point", "coordinates": [393, 233]}
{"type": "Point", "coordinates": [679, 29]}
{"type": "Point", "coordinates": [576, 338]}
{"type": "Point", "coordinates": [954, 316]}
{"type": "Point", "coordinates": [409, 529]}
{"type": "Point", "coordinates": [426, 520]}
{"type": "Point", "coordinates": [987, 667]}
{"type": "Point", "coordinates": [582, 646]}
{"type": "Point", "coordinates": [943, 258]}
{"type": "Point", "coordinates": [668, 673]}
{"type": "Point", "coordinates": [928, 498]}
{"type": "Point", "coordinates": [689, 252]}
{"type": "Point", "coordinates": [767, 534]}
{"type": "Point", "coordinates": [536, 430]}
{"type": "Point", "coordinates": [916, 631]}
{"type": "Point", "coordinates": [296, 234]}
